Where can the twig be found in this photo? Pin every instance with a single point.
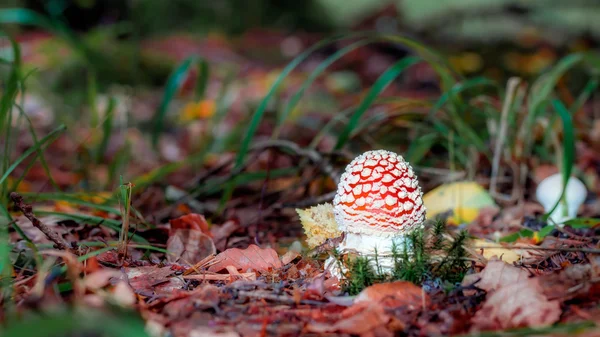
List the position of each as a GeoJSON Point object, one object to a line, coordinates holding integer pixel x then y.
{"type": "Point", "coordinates": [311, 154]}
{"type": "Point", "coordinates": [277, 298]}
{"type": "Point", "coordinates": [311, 201]}
{"type": "Point", "coordinates": [27, 211]}
{"type": "Point", "coordinates": [577, 250]}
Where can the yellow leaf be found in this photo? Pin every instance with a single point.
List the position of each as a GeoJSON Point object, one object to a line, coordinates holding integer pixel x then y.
{"type": "Point", "coordinates": [465, 199]}
{"type": "Point", "coordinates": [319, 224]}
{"type": "Point", "coordinates": [491, 249]}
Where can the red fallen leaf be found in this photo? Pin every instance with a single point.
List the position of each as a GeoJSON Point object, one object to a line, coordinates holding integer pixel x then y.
{"type": "Point", "coordinates": [517, 305]}
{"type": "Point", "coordinates": [364, 318]}
{"type": "Point", "coordinates": [190, 221]}
{"type": "Point", "coordinates": [253, 257]}
{"type": "Point", "coordinates": [394, 295]}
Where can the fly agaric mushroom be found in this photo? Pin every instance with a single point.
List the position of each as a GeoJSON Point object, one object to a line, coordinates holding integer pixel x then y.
{"type": "Point", "coordinates": [378, 202]}
{"type": "Point", "coordinates": [549, 192]}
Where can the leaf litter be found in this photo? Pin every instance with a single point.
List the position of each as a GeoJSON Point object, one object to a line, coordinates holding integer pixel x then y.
{"type": "Point", "coordinates": [195, 269]}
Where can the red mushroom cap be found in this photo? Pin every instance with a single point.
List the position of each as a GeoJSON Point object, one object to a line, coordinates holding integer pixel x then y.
{"type": "Point", "coordinates": [379, 194]}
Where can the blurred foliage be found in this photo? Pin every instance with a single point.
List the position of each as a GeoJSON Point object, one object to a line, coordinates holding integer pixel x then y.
{"type": "Point", "coordinates": [151, 17]}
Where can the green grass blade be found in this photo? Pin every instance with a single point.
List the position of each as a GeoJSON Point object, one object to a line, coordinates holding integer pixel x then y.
{"type": "Point", "coordinates": [174, 83]}
{"type": "Point", "coordinates": [39, 154]}
{"type": "Point", "coordinates": [586, 93]}
{"type": "Point", "coordinates": [107, 127]}
{"type": "Point", "coordinates": [42, 143]}
{"type": "Point", "coordinates": [420, 146]}
{"type": "Point", "coordinates": [93, 220]}
{"type": "Point", "coordinates": [311, 78]}
{"type": "Point", "coordinates": [382, 82]}
{"type": "Point", "coordinates": [458, 89]}
{"type": "Point", "coordinates": [541, 92]}
{"type": "Point", "coordinates": [202, 79]}
{"type": "Point", "coordinates": [73, 199]}
{"type": "Point", "coordinates": [568, 157]}
{"type": "Point", "coordinates": [26, 17]}
{"type": "Point", "coordinates": [117, 323]}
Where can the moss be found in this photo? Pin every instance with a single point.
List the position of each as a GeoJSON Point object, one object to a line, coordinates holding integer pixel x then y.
{"type": "Point", "coordinates": [432, 256]}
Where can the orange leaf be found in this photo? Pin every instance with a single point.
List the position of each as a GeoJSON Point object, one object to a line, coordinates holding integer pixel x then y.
{"type": "Point", "coordinates": [393, 295]}
{"type": "Point", "coordinates": [190, 221]}
{"type": "Point", "coordinates": [253, 257]}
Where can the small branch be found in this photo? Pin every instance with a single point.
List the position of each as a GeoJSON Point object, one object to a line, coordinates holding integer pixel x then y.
{"type": "Point", "coordinates": [27, 211]}
{"type": "Point", "coordinates": [566, 249]}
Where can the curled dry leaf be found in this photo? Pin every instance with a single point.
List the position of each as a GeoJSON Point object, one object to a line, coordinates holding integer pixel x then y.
{"type": "Point", "coordinates": [253, 257]}
{"type": "Point", "coordinates": [190, 240]}
{"type": "Point", "coordinates": [188, 246]}
{"type": "Point", "coordinates": [319, 224]}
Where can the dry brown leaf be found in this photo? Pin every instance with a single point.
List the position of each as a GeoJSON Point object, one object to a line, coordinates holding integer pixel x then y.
{"type": "Point", "coordinates": [253, 257]}
{"type": "Point", "coordinates": [289, 257]}
{"type": "Point", "coordinates": [188, 246]}
{"type": "Point", "coordinates": [495, 275]}
{"type": "Point", "coordinates": [515, 305]}
{"type": "Point", "coordinates": [100, 278]}
{"type": "Point", "coordinates": [364, 318]}
{"type": "Point", "coordinates": [393, 295]}
{"type": "Point", "coordinates": [153, 280]}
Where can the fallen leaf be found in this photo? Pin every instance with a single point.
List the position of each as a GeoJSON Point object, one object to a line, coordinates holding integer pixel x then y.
{"type": "Point", "coordinates": [495, 275]}
{"type": "Point", "coordinates": [100, 278]}
{"type": "Point", "coordinates": [290, 256]}
{"type": "Point", "coordinates": [253, 257]}
{"type": "Point", "coordinates": [464, 198]}
{"type": "Point", "coordinates": [221, 233]}
{"type": "Point", "coordinates": [319, 224]}
{"type": "Point", "coordinates": [513, 300]}
{"type": "Point", "coordinates": [516, 305]}
{"type": "Point", "coordinates": [188, 246]}
{"type": "Point", "coordinates": [394, 295]}
{"type": "Point", "coordinates": [506, 252]}
{"type": "Point", "coordinates": [365, 318]}
{"type": "Point", "coordinates": [191, 221]}
{"type": "Point", "coordinates": [152, 279]}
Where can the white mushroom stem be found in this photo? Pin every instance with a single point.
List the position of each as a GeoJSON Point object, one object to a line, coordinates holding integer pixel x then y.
{"type": "Point", "coordinates": [379, 250]}
{"type": "Point", "coordinates": [548, 194]}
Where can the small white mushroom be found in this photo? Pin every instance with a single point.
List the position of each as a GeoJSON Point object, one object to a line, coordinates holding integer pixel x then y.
{"type": "Point", "coordinates": [378, 203]}
{"type": "Point", "coordinates": [548, 193]}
